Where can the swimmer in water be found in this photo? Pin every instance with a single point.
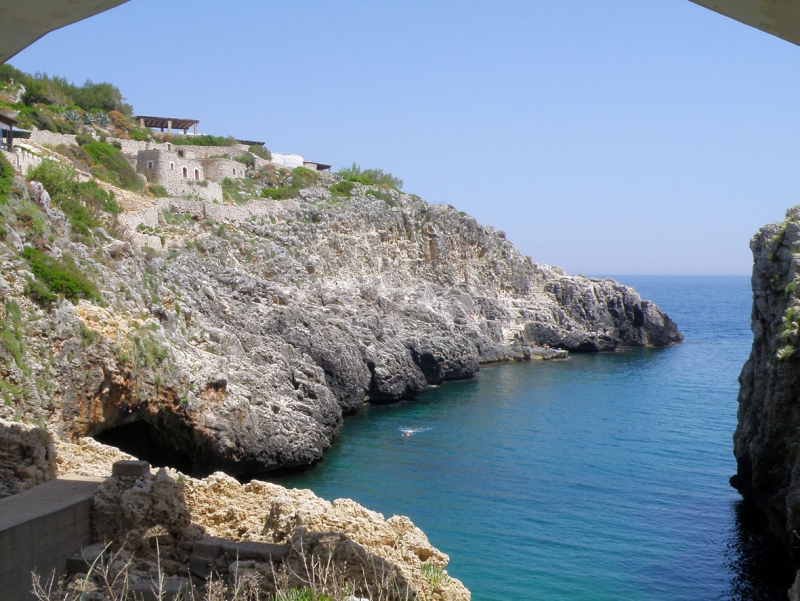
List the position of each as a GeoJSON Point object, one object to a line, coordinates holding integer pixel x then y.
{"type": "Point", "coordinates": [407, 432]}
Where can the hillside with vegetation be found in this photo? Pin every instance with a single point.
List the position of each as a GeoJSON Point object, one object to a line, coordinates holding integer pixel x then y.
{"type": "Point", "coordinates": [237, 335]}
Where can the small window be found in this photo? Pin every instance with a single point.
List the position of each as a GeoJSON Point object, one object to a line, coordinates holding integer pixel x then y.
{"type": "Point", "coordinates": [149, 164]}
{"type": "Point", "coordinates": [197, 174]}
{"type": "Point", "coordinates": [180, 153]}
{"type": "Point", "coordinates": [185, 172]}
{"type": "Point", "coordinates": [172, 166]}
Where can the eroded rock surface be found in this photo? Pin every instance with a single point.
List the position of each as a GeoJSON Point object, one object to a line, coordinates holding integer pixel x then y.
{"type": "Point", "coordinates": [242, 344]}
{"type": "Point", "coordinates": [360, 545]}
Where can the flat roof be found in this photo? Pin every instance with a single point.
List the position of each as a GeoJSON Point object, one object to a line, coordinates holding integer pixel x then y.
{"type": "Point", "coordinates": [177, 123]}
{"type": "Point", "coordinates": [7, 120]}
{"type": "Point", "coordinates": [320, 166]}
{"type": "Point", "coordinates": [251, 142]}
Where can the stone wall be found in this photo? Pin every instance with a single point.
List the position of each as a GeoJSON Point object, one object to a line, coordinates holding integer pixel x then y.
{"type": "Point", "coordinates": [219, 169]}
{"type": "Point", "coordinates": [168, 168]}
{"type": "Point", "coordinates": [52, 138]}
{"type": "Point", "coordinates": [180, 175]}
{"type": "Point", "coordinates": [132, 147]}
{"type": "Point", "coordinates": [27, 457]}
{"type": "Point", "coordinates": [22, 159]}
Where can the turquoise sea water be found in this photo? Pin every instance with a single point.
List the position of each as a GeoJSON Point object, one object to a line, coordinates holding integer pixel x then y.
{"type": "Point", "coordinates": [601, 477]}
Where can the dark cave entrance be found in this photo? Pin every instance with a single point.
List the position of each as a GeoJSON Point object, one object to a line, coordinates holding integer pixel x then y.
{"type": "Point", "coordinates": [153, 444]}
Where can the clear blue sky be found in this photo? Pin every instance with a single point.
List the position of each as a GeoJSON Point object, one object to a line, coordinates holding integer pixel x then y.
{"type": "Point", "coordinates": [623, 136]}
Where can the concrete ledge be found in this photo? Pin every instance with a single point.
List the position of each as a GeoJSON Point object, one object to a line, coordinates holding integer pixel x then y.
{"type": "Point", "coordinates": [40, 528]}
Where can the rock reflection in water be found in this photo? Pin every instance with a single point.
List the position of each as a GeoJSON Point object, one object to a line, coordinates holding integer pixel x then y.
{"type": "Point", "coordinates": [760, 571]}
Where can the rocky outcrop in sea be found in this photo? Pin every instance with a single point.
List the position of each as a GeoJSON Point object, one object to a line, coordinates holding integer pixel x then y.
{"type": "Point", "coordinates": [241, 343]}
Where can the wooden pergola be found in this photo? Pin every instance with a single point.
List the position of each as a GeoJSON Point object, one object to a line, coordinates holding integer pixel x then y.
{"type": "Point", "coordinates": [168, 123]}
{"type": "Point", "coordinates": [7, 137]}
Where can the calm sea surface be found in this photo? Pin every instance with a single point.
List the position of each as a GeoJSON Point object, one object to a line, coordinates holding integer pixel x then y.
{"type": "Point", "coordinates": [600, 477]}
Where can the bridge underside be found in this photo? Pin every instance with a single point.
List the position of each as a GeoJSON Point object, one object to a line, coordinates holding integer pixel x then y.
{"type": "Point", "coordinates": [781, 18]}
{"type": "Point", "coordinates": [24, 22]}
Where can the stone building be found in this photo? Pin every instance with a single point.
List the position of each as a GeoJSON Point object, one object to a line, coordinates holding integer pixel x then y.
{"type": "Point", "coordinates": [181, 173]}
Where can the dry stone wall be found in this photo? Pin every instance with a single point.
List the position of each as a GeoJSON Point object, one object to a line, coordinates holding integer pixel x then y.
{"type": "Point", "coordinates": [51, 138]}
{"type": "Point", "coordinates": [27, 457]}
{"type": "Point", "coordinates": [22, 159]}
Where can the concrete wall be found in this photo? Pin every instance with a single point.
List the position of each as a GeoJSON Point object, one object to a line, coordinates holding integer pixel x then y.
{"type": "Point", "coordinates": [39, 529]}
{"type": "Point", "coordinates": [290, 161]}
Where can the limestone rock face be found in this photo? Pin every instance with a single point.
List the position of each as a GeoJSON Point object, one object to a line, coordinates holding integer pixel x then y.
{"type": "Point", "coordinates": [27, 457]}
{"type": "Point", "coordinates": [243, 343]}
{"type": "Point", "coordinates": [767, 438]}
{"type": "Point", "coordinates": [179, 511]}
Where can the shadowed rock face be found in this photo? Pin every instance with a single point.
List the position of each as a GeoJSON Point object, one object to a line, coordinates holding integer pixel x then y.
{"type": "Point", "coordinates": [242, 350]}
{"type": "Point", "coordinates": [767, 438]}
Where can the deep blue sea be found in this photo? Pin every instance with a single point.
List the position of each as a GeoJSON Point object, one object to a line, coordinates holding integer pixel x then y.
{"type": "Point", "coordinates": [601, 477]}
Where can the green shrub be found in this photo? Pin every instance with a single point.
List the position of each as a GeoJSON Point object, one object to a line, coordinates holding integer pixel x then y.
{"type": "Point", "coordinates": [260, 151]}
{"type": "Point", "coordinates": [158, 191]}
{"type": "Point", "coordinates": [84, 203]}
{"type": "Point", "coordinates": [343, 188]}
{"type": "Point", "coordinates": [303, 178]}
{"type": "Point", "coordinates": [140, 134]}
{"type": "Point", "coordinates": [203, 140]}
{"type": "Point", "coordinates": [11, 333]}
{"type": "Point", "coordinates": [83, 139]}
{"type": "Point", "coordinates": [282, 193]}
{"type": "Point", "coordinates": [230, 191]}
{"type": "Point", "coordinates": [39, 293]}
{"type": "Point", "coordinates": [247, 160]}
{"type": "Point", "coordinates": [435, 575]}
{"type": "Point", "coordinates": [31, 217]}
{"type": "Point", "coordinates": [370, 177]}
{"type": "Point", "coordinates": [112, 166]}
{"type": "Point", "coordinates": [384, 196]}
{"type": "Point", "coordinates": [61, 276]}
{"type": "Point", "coordinates": [57, 179]}
{"type": "Point", "coordinates": [6, 178]}
{"type": "Point", "coordinates": [43, 89]}
{"type": "Point", "coordinates": [9, 73]}
{"type": "Point", "coordinates": [9, 392]}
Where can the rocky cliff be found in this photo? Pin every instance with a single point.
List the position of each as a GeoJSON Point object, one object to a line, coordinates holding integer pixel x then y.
{"type": "Point", "coordinates": [767, 438]}
{"type": "Point", "coordinates": [241, 340]}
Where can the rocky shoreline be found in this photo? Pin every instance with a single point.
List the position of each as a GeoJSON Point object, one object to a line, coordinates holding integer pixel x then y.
{"type": "Point", "coordinates": [164, 524]}
{"type": "Point", "coordinates": [243, 342]}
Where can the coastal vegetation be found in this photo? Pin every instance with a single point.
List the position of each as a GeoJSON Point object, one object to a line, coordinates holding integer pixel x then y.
{"type": "Point", "coordinates": [201, 140]}
{"type": "Point", "coordinates": [58, 276]}
{"type": "Point", "coordinates": [370, 177]}
{"type": "Point", "coordinates": [55, 104]}
{"type": "Point", "coordinates": [299, 178]}
{"type": "Point", "coordinates": [86, 204]}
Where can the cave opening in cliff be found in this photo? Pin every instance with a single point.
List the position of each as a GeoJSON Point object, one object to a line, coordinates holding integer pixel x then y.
{"type": "Point", "coordinates": [150, 443]}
